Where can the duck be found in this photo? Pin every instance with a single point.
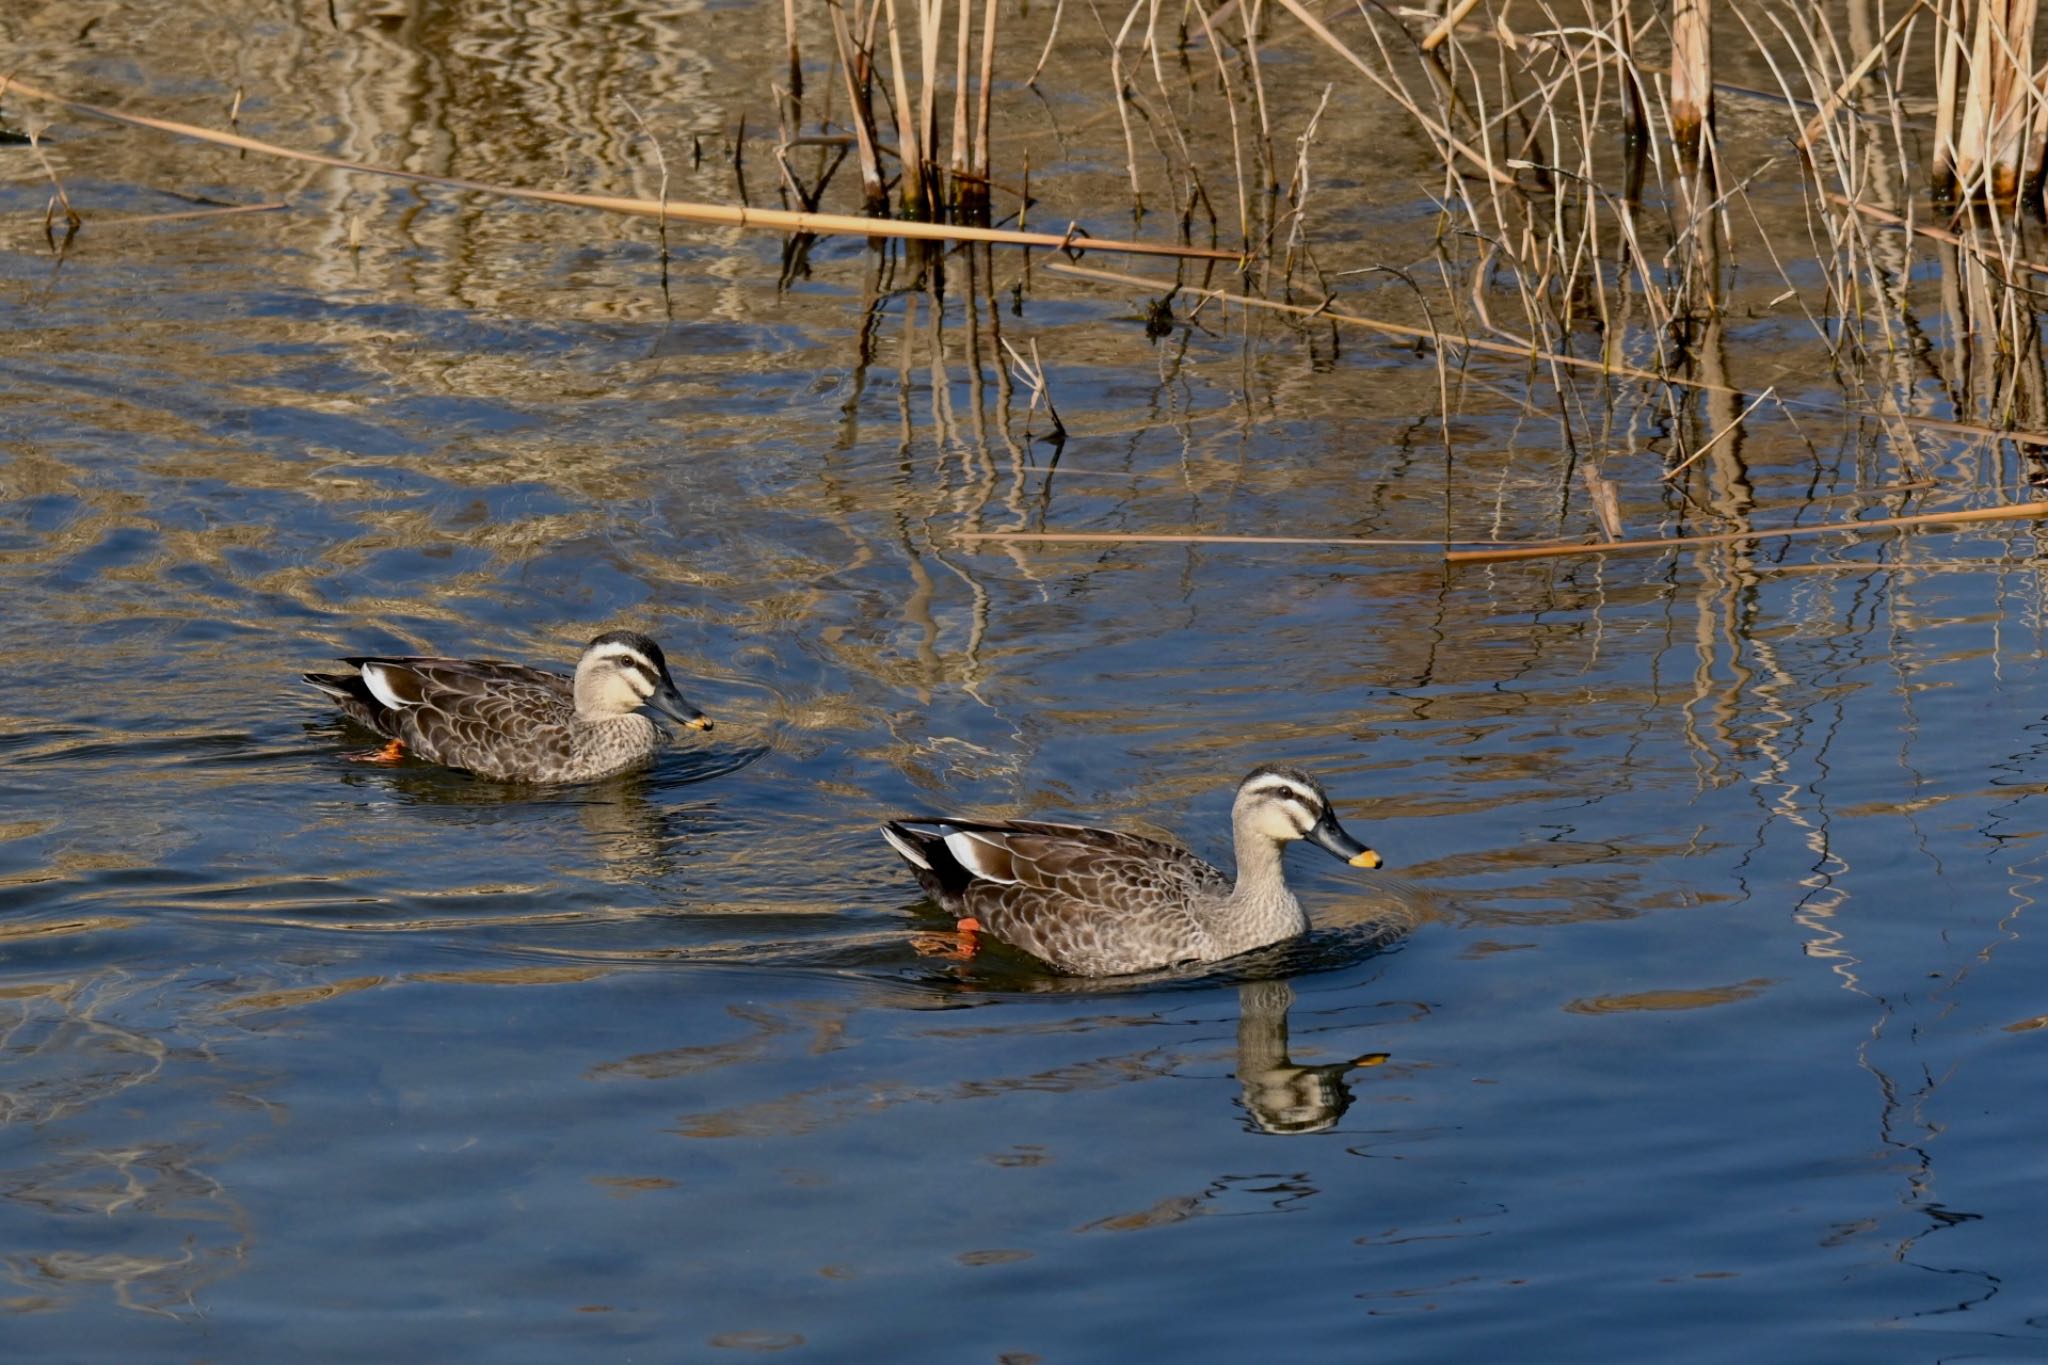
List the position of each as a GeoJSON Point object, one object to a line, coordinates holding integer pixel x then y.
{"type": "Point", "coordinates": [511, 723]}
{"type": "Point", "coordinates": [1097, 902]}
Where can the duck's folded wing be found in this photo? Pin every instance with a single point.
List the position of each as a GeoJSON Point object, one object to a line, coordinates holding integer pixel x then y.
{"type": "Point", "coordinates": [420, 678]}
{"type": "Point", "coordinates": [1093, 866]}
{"type": "Point", "coordinates": [470, 713]}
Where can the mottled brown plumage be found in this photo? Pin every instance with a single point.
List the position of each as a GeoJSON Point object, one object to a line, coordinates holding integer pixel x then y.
{"type": "Point", "coordinates": [1094, 902]}
{"type": "Point", "coordinates": [518, 724]}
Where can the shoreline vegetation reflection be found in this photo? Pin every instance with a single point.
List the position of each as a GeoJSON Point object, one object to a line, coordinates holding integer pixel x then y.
{"type": "Point", "coordinates": [1604, 443]}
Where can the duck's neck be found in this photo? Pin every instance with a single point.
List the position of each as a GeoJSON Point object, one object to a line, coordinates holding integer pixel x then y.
{"type": "Point", "coordinates": [1262, 909]}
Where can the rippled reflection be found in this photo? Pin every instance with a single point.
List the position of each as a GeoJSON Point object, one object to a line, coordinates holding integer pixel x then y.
{"type": "Point", "coordinates": [1712, 873]}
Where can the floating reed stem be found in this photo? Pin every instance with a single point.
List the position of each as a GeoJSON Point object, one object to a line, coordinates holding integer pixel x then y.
{"type": "Point", "coordinates": [2033, 511]}
{"type": "Point", "coordinates": [1192, 538]}
{"type": "Point", "coordinates": [817, 224]}
{"type": "Point", "coordinates": [1528, 351]}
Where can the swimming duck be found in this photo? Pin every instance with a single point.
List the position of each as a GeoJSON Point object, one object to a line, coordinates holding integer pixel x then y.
{"type": "Point", "coordinates": [518, 724]}
{"type": "Point", "coordinates": [1094, 902]}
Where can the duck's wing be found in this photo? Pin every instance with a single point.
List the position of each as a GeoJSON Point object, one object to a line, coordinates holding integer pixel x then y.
{"type": "Point", "coordinates": [480, 714]}
{"type": "Point", "coordinates": [1067, 893]}
{"type": "Point", "coordinates": [356, 701]}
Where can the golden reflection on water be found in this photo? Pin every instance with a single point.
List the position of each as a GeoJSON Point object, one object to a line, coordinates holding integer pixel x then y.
{"type": "Point", "coordinates": [777, 474]}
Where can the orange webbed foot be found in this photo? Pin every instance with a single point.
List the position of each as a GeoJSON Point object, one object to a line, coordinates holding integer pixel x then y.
{"type": "Point", "coordinates": [390, 753]}
{"type": "Point", "coordinates": [958, 946]}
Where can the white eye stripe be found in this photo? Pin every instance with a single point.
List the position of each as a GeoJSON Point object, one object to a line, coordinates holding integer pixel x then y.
{"type": "Point", "coordinates": [635, 664]}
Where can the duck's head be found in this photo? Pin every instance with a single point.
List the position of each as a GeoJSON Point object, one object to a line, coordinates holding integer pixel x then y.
{"type": "Point", "coordinates": [1286, 804]}
{"type": "Point", "coordinates": [621, 672]}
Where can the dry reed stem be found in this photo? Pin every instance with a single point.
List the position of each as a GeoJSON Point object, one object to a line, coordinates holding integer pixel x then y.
{"type": "Point", "coordinates": [1606, 502]}
{"type": "Point", "coordinates": [910, 189]}
{"type": "Point", "coordinates": [1398, 95]}
{"type": "Point", "coordinates": [816, 224]}
{"type": "Point", "coordinates": [1692, 75]}
{"type": "Point", "coordinates": [1707, 446]}
{"type": "Point", "coordinates": [1123, 102]}
{"type": "Point", "coordinates": [1244, 217]}
{"type": "Point", "coordinates": [2016, 512]}
{"type": "Point", "coordinates": [1527, 351]}
{"type": "Point", "coordinates": [1059, 8]}
{"type": "Point", "coordinates": [184, 215]}
{"type": "Point", "coordinates": [1453, 17]}
{"type": "Point", "coordinates": [1948, 66]}
{"type": "Point", "coordinates": [1849, 82]}
{"type": "Point", "coordinates": [1934, 234]}
{"type": "Point", "coordinates": [1995, 120]}
{"type": "Point", "coordinates": [796, 64]}
{"type": "Point", "coordinates": [980, 161]}
{"type": "Point", "coordinates": [35, 144]}
{"type": "Point", "coordinates": [963, 86]}
{"type": "Point", "coordinates": [860, 113]}
{"type": "Point", "coordinates": [931, 32]}
{"type": "Point", "coordinates": [1158, 538]}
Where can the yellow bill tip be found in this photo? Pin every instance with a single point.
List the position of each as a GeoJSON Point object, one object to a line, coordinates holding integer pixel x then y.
{"type": "Point", "coordinates": [698, 722]}
{"type": "Point", "coordinates": [1366, 859]}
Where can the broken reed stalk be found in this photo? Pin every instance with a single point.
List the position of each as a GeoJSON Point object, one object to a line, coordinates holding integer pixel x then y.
{"type": "Point", "coordinates": [974, 195]}
{"type": "Point", "coordinates": [963, 84]}
{"type": "Point", "coordinates": [1692, 75]}
{"type": "Point", "coordinates": [2019, 511]}
{"type": "Point", "coordinates": [1948, 65]}
{"type": "Point", "coordinates": [2000, 104]}
{"type": "Point", "coordinates": [71, 219]}
{"type": "Point", "coordinates": [931, 32]}
{"type": "Point", "coordinates": [793, 106]}
{"type": "Point", "coordinates": [816, 224]}
{"type": "Point", "coordinates": [910, 189]}
{"type": "Point", "coordinates": [1448, 25]}
{"type": "Point", "coordinates": [856, 66]}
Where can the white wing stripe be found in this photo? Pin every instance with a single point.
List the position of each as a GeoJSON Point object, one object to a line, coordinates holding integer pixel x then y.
{"type": "Point", "coordinates": [906, 848]}
{"type": "Point", "coordinates": [973, 855]}
{"type": "Point", "coordinates": [380, 687]}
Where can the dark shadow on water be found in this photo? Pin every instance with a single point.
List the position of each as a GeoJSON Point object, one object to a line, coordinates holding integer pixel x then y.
{"type": "Point", "coordinates": [418, 782]}
{"type": "Point", "coordinates": [65, 747]}
{"type": "Point", "coordinates": [1000, 970]}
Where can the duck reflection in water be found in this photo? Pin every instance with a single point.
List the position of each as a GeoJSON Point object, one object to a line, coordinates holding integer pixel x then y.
{"type": "Point", "coordinates": [1279, 1095]}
